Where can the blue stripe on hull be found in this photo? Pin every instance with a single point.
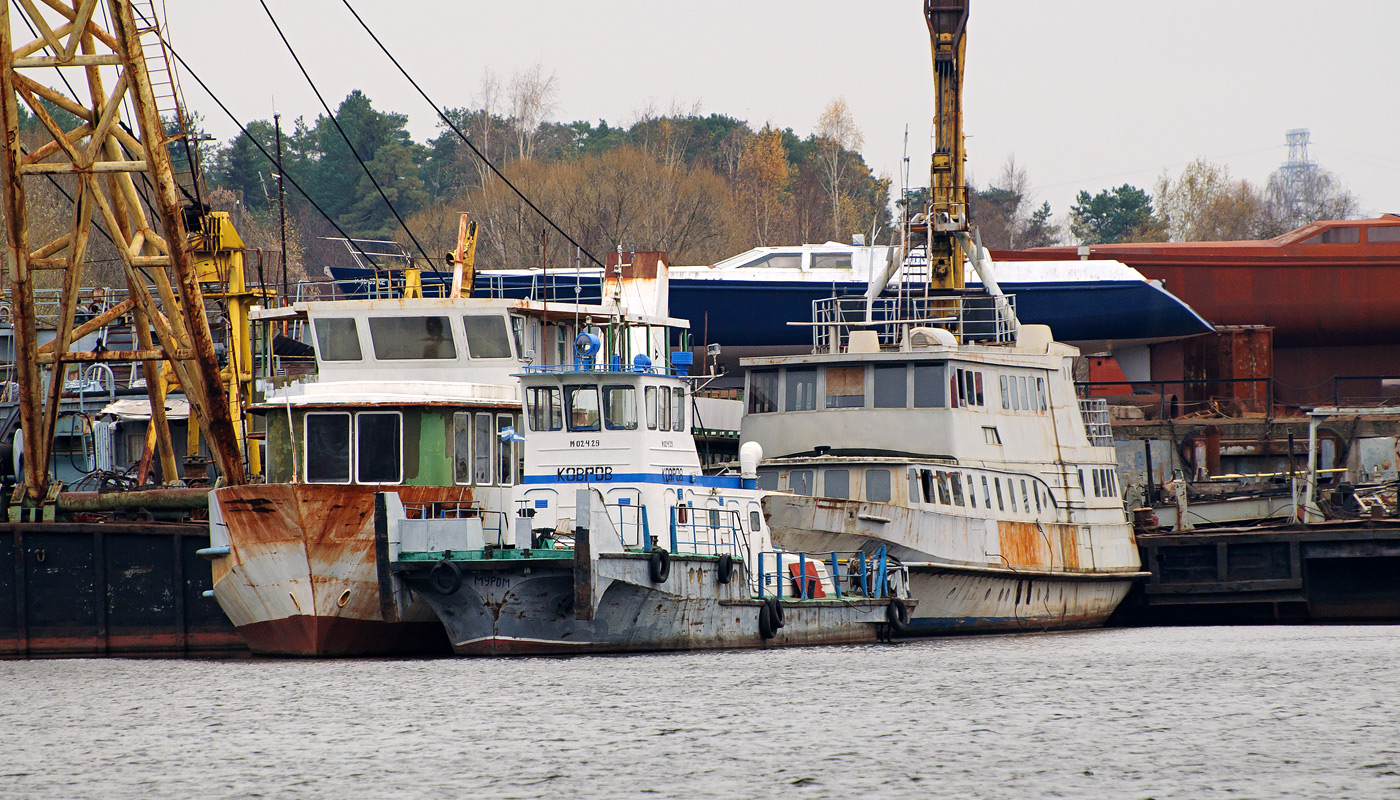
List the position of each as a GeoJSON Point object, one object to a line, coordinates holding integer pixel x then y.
{"type": "Point", "coordinates": [716, 481]}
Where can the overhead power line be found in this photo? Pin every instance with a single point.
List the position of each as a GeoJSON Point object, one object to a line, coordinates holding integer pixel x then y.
{"type": "Point", "coordinates": [453, 126]}
{"type": "Point", "coordinates": [348, 143]}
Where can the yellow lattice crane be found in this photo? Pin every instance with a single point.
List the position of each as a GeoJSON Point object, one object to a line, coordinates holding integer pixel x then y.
{"type": "Point", "coordinates": [946, 211]}
{"type": "Point", "coordinates": [120, 175]}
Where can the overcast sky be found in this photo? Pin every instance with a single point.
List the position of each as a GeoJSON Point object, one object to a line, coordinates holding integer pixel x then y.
{"type": "Point", "coordinates": [1086, 94]}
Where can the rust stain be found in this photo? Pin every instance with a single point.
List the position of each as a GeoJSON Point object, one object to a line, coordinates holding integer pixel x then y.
{"type": "Point", "coordinates": [1069, 546]}
{"type": "Point", "coordinates": [1023, 544]}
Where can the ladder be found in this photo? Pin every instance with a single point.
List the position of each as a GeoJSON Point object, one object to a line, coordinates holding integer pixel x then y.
{"type": "Point", "coordinates": [170, 102]}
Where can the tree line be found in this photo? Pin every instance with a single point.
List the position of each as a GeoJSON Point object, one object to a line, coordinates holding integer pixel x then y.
{"type": "Point", "coordinates": [702, 187]}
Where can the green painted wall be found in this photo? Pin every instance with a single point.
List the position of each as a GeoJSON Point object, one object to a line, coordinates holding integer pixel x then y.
{"type": "Point", "coordinates": [427, 460]}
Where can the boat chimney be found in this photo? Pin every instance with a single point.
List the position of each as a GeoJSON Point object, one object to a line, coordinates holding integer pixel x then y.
{"type": "Point", "coordinates": [750, 453]}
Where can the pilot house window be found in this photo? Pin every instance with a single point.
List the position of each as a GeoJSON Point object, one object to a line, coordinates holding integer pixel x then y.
{"type": "Point", "coordinates": [845, 387]}
{"type": "Point", "coordinates": [327, 448]}
{"type": "Point", "coordinates": [763, 391]}
{"type": "Point", "coordinates": [487, 336]}
{"type": "Point", "coordinates": [620, 408]}
{"type": "Point", "coordinates": [378, 453]}
{"type": "Point", "coordinates": [337, 339]}
{"type": "Point", "coordinates": [546, 414]}
{"type": "Point", "coordinates": [407, 338]}
{"type": "Point", "coordinates": [582, 407]}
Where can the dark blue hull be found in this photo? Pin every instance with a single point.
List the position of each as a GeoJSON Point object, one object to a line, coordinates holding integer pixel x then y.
{"type": "Point", "coordinates": [756, 313]}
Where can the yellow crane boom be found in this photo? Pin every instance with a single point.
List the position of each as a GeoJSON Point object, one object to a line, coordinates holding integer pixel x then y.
{"type": "Point", "coordinates": [946, 210]}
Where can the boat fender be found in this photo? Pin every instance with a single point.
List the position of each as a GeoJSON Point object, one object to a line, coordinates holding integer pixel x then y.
{"type": "Point", "coordinates": [777, 611]}
{"type": "Point", "coordinates": [660, 565]}
{"type": "Point", "coordinates": [767, 629]}
{"type": "Point", "coordinates": [725, 568]}
{"type": "Point", "coordinates": [445, 577]}
{"type": "Point", "coordinates": [897, 614]}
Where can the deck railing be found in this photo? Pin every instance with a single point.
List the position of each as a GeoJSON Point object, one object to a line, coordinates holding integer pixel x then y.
{"type": "Point", "coordinates": [982, 318]}
{"type": "Point", "coordinates": [800, 575]}
{"type": "Point", "coordinates": [706, 531]}
{"type": "Point", "coordinates": [1096, 421]}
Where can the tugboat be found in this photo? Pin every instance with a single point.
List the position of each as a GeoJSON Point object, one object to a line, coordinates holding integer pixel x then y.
{"type": "Point", "coordinates": [941, 431]}
{"type": "Point", "coordinates": [621, 544]}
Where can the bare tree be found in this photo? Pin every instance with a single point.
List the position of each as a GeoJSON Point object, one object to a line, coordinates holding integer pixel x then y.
{"type": "Point", "coordinates": [1320, 196]}
{"type": "Point", "coordinates": [486, 100]}
{"type": "Point", "coordinates": [837, 133]}
{"type": "Point", "coordinates": [531, 98]}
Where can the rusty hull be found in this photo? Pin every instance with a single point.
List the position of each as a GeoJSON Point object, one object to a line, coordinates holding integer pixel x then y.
{"type": "Point", "coordinates": [973, 574]}
{"type": "Point", "coordinates": [301, 578]}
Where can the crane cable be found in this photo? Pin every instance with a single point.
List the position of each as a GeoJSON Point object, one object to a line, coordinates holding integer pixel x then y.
{"type": "Point", "coordinates": [450, 124]}
{"type": "Point", "coordinates": [268, 155]}
{"type": "Point", "coordinates": [348, 143]}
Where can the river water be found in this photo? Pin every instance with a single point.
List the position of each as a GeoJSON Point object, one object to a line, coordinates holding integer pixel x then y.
{"type": "Point", "coordinates": [1311, 712]}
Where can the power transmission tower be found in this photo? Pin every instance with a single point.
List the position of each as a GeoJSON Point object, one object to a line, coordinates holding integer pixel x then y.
{"type": "Point", "coordinates": [1298, 173]}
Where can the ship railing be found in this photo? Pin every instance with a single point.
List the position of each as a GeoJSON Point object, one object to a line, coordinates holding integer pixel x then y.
{"type": "Point", "coordinates": [807, 576]}
{"type": "Point", "coordinates": [1097, 426]}
{"type": "Point", "coordinates": [971, 319]}
{"type": "Point", "coordinates": [493, 523]}
{"type": "Point", "coordinates": [706, 531]}
{"type": "Point", "coordinates": [630, 522]}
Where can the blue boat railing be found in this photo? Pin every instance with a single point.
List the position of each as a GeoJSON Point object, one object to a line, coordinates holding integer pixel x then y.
{"type": "Point", "coordinates": [630, 522]}
{"type": "Point", "coordinates": [493, 523]}
{"type": "Point", "coordinates": [837, 574]}
{"type": "Point", "coordinates": [706, 531]}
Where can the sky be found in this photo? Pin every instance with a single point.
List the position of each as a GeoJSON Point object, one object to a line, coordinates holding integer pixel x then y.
{"type": "Point", "coordinates": [1085, 94]}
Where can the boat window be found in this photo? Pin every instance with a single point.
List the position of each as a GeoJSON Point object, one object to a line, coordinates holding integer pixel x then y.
{"type": "Point", "coordinates": [378, 447]}
{"type": "Point", "coordinates": [778, 261]}
{"type": "Point", "coordinates": [1016, 404]}
{"type": "Point", "coordinates": [403, 338]}
{"type": "Point", "coordinates": [756, 519]}
{"type": "Point", "coordinates": [977, 386]}
{"type": "Point", "coordinates": [1081, 480]}
{"type": "Point", "coordinates": [1005, 396]}
{"type": "Point", "coordinates": [462, 446]}
{"type": "Point", "coordinates": [1036, 492]}
{"type": "Point", "coordinates": [845, 387]}
{"type": "Point", "coordinates": [831, 261]}
{"type": "Point", "coordinates": [663, 408]}
{"type": "Point", "coordinates": [545, 412]}
{"type": "Point", "coordinates": [763, 391]}
{"type": "Point", "coordinates": [487, 336]}
{"type": "Point", "coordinates": [1040, 392]}
{"type": "Point", "coordinates": [484, 436]}
{"type": "Point", "coordinates": [768, 479]}
{"type": "Point", "coordinates": [1338, 236]}
{"type": "Point", "coordinates": [943, 489]}
{"type": "Point", "coordinates": [802, 481]}
{"type": "Point", "coordinates": [955, 483]}
{"type": "Point", "coordinates": [1025, 497]}
{"type": "Point", "coordinates": [926, 480]}
{"type": "Point", "coordinates": [914, 485]}
{"type": "Point", "coordinates": [1025, 400]}
{"type": "Point", "coordinates": [678, 408]}
{"type": "Point", "coordinates": [971, 491]}
{"type": "Point", "coordinates": [928, 386]}
{"type": "Point", "coordinates": [891, 386]}
{"type": "Point", "coordinates": [1383, 233]}
{"type": "Point", "coordinates": [517, 331]}
{"type": "Point", "coordinates": [986, 494]}
{"type": "Point", "coordinates": [327, 448]}
{"type": "Point", "coordinates": [1000, 505]}
{"type": "Point", "coordinates": [801, 394]}
{"type": "Point", "coordinates": [620, 408]}
{"type": "Point", "coordinates": [582, 405]}
{"type": "Point", "coordinates": [836, 483]}
{"type": "Point", "coordinates": [651, 407]}
{"type": "Point", "coordinates": [337, 339]}
{"type": "Point", "coordinates": [505, 450]}
{"type": "Point", "coordinates": [1097, 492]}
{"type": "Point", "coordinates": [877, 485]}
{"type": "Point", "coordinates": [991, 435]}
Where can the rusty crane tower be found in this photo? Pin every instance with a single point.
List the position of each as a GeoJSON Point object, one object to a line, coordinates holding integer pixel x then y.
{"type": "Point", "coordinates": [119, 177]}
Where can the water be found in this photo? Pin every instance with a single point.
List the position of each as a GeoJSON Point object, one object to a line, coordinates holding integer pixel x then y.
{"type": "Point", "coordinates": [1183, 712]}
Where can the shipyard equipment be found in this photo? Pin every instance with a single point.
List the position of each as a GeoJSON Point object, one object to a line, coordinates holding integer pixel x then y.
{"type": "Point", "coordinates": [110, 149]}
{"type": "Point", "coordinates": [946, 212]}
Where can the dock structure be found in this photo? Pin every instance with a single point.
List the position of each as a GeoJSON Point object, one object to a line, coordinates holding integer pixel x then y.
{"type": "Point", "coordinates": [1347, 571]}
{"type": "Point", "coordinates": [114, 588]}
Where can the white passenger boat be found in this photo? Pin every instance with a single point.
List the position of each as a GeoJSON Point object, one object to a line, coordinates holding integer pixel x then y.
{"type": "Point", "coordinates": [942, 430]}
{"type": "Point", "coordinates": [621, 543]}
